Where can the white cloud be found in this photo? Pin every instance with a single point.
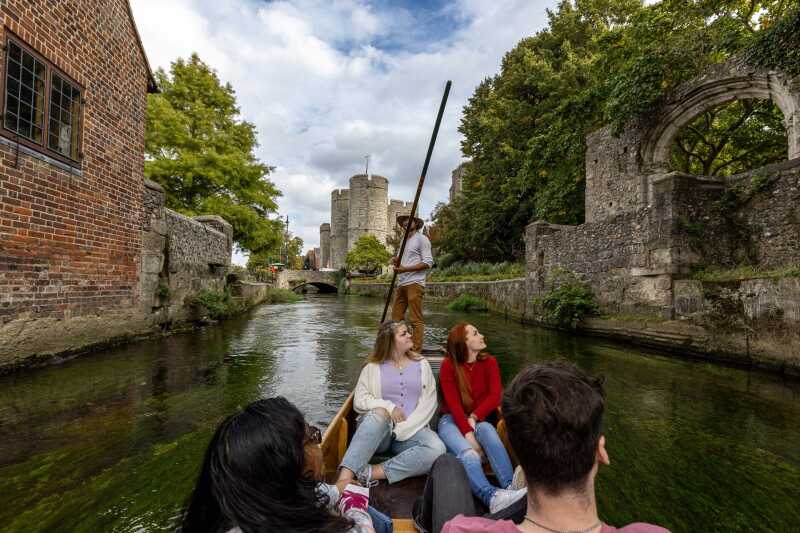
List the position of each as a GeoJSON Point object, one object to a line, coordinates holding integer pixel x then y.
{"type": "Point", "coordinates": [323, 90]}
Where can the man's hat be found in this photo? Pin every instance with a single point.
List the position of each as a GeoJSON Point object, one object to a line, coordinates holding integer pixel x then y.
{"type": "Point", "coordinates": [403, 220]}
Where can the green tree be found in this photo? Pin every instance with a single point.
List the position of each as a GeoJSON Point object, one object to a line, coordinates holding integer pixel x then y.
{"type": "Point", "coordinates": [731, 138]}
{"type": "Point", "coordinates": [202, 153]}
{"type": "Point", "coordinates": [368, 254]}
{"type": "Point", "coordinates": [288, 253]}
{"type": "Point", "coordinates": [294, 250]}
{"type": "Point", "coordinates": [598, 62]}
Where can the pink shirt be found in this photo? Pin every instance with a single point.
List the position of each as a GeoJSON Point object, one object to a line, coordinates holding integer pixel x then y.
{"type": "Point", "coordinates": [474, 524]}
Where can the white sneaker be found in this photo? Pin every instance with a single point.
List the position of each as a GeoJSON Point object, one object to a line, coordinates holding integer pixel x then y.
{"type": "Point", "coordinates": [364, 477]}
{"type": "Point", "coordinates": [518, 481]}
{"type": "Point", "coordinates": [502, 498]}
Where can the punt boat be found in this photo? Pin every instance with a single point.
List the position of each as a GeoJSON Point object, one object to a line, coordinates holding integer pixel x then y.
{"type": "Point", "coordinates": [395, 500]}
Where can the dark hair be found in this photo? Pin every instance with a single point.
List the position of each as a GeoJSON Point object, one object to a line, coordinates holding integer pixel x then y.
{"type": "Point", "coordinates": [554, 415]}
{"type": "Point", "coordinates": [252, 476]}
{"type": "Point", "coordinates": [458, 353]}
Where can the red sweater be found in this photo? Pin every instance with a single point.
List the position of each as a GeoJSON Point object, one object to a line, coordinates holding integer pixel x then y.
{"type": "Point", "coordinates": [486, 389]}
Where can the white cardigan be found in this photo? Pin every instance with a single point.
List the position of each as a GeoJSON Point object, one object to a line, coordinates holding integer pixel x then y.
{"type": "Point", "coordinates": [368, 396]}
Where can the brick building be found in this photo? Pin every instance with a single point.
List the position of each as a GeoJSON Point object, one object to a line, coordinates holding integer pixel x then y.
{"type": "Point", "coordinates": [74, 81]}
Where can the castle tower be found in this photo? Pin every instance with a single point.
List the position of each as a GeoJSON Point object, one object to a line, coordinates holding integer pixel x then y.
{"type": "Point", "coordinates": [397, 208]}
{"type": "Point", "coordinates": [369, 201]}
{"type": "Point", "coordinates": [340, 212]}
{"type": "Point", "coordinates": [325, 245]}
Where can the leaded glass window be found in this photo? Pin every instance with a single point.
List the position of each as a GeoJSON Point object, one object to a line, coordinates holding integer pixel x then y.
{"type": "Point", "coordinates": [42, 105]}
{"type": "Point", "coordinates": [65, 106]}
{"type": "Point", "coordinates": [25, 91]}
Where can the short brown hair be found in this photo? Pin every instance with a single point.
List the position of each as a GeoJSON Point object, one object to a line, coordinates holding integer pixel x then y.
{"type": "Point", "coordinates": [554, 414]}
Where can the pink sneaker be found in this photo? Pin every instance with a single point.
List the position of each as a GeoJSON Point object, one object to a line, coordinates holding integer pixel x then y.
{"type": "Point", "coordinates": [354, 497]}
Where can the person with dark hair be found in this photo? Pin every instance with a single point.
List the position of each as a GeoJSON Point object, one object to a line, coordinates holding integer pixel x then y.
{"type": "Point", "coordinates": [554, 415]}
{"type": "Point", "coordinates": [470, 382]}
{"type": "Point", "coordinates": [396, 399]}
{"type": "Point", "coordinates": [262, 471]}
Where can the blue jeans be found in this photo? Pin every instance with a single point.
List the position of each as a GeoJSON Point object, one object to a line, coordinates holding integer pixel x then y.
{"type": "Point", "coordinates": [380, 522]}
{"type": "Point", "coordinates": [413, 457]}
{"type": "Point", "coordinates": [487, 437]}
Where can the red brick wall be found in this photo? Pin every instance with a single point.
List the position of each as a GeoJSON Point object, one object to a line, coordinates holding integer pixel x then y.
{"type": "Point", "coordinates": [70, 245]}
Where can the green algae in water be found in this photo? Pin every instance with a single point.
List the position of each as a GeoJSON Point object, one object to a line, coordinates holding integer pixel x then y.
{"type": "Point", "coordinates": [113, 442]}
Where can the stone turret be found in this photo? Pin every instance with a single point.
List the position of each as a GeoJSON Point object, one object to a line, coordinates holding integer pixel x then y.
{"type": "Point", "coordinates": [340, 213]}
{"type": "Point", "coordinates": [363, 209]}
{"type": "Point", "coordinates": [369, 200]}
{"type": "Point", "coordinates": [396, 208]}
{"type": "Point", "coordinates": [325, 245]}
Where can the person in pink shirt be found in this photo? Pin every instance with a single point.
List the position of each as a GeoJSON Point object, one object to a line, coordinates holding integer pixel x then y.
{"type": "Point", "coordinates": [554, 415]}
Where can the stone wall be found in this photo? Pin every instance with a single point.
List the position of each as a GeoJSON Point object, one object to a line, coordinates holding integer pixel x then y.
{"type": "Point", "coordinates": [771, 215]}
{"type": "Point", "coordinates": [179, 257]}
{"type": "Point", "coordinates": [507, 296]}
{"type": "Point", "coordinates": [649, 231]}
{"type": "Point", "coordinates": [754, 321]}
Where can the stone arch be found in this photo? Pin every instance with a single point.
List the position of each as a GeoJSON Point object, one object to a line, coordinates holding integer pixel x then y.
{"type": "Point", "coordinates": [727, 82]}
{"type": "Point", "coordinates": [324, 288]}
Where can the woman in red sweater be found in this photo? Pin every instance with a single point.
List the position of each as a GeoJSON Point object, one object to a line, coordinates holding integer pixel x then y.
{"type": "Point", "coordinates": [470, 383]}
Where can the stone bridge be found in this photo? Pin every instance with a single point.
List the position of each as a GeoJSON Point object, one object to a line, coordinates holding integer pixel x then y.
{"type": "Point", "coordinates": [295, 279]}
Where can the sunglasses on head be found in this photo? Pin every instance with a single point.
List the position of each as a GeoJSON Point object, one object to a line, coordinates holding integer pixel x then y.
{"type": "Point", "coordinates": [313, 435]}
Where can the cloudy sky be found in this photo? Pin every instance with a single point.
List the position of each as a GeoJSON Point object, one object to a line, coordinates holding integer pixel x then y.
{"type": "Point", "coordinates": [328, 81]}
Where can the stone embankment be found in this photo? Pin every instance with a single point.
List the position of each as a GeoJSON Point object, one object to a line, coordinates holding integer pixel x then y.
{"type": "Point", "coordinates": [753, 322]}
{"type": "Point", "coordinates": [180, 257]}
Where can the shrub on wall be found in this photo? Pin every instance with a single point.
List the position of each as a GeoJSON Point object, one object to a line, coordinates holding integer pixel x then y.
{"type": "Point", "coordinates": [568, 301]}
{"type": "Point", "coordinates": [467, 303]}
{"type": "Point", "coordinates": [218, 305]}
{"type": "Point", "coordinates": [282, 296]}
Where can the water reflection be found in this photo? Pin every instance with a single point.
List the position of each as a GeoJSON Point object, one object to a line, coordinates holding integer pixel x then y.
{"type": "Point", "coordinates": [113, 441]}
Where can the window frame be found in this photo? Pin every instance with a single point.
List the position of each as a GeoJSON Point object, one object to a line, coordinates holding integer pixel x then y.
{"type": "Point", "coordinates": [50, 70]}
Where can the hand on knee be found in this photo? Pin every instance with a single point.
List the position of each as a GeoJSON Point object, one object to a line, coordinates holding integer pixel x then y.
{"type": "Point", "coordinates": [383, 413]}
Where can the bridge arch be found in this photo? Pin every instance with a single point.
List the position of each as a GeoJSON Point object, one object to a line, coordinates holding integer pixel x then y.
{"type": "Point", "coordinates": [293, 279]}
{"type": "Point", "coordinates": [723, 83]}
{"type": "Point", "coordinates": [322, 287]}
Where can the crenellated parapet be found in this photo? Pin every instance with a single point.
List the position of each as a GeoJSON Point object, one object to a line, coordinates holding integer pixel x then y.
{"type": "Point", "coordinates": [363, 209]}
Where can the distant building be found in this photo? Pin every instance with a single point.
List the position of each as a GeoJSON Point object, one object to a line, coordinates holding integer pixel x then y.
{"type": "Point", "coordinates": [457, 181]}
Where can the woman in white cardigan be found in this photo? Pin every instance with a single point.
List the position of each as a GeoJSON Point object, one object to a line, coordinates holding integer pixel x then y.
{"type": "Point", "coordinates": [396, 399]}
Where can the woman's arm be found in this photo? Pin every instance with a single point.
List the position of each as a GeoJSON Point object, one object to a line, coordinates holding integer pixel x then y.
{"type": "Point", "coordinates": [452, 396]}
{"type": "Point", "coordinates": [492, 400]}
{"type": "Point", "coordinates": [365, 398]}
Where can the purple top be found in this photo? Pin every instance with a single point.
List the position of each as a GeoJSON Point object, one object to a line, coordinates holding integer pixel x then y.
{"type": "Point", "coordinates": [402, 387]}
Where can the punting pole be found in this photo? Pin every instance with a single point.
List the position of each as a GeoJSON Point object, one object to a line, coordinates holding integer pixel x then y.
{"type": "Point", "coordinates": [419, 191]}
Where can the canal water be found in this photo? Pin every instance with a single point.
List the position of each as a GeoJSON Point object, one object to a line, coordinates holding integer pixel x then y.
{"type": "Point", "coordinates": [113, 441]}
